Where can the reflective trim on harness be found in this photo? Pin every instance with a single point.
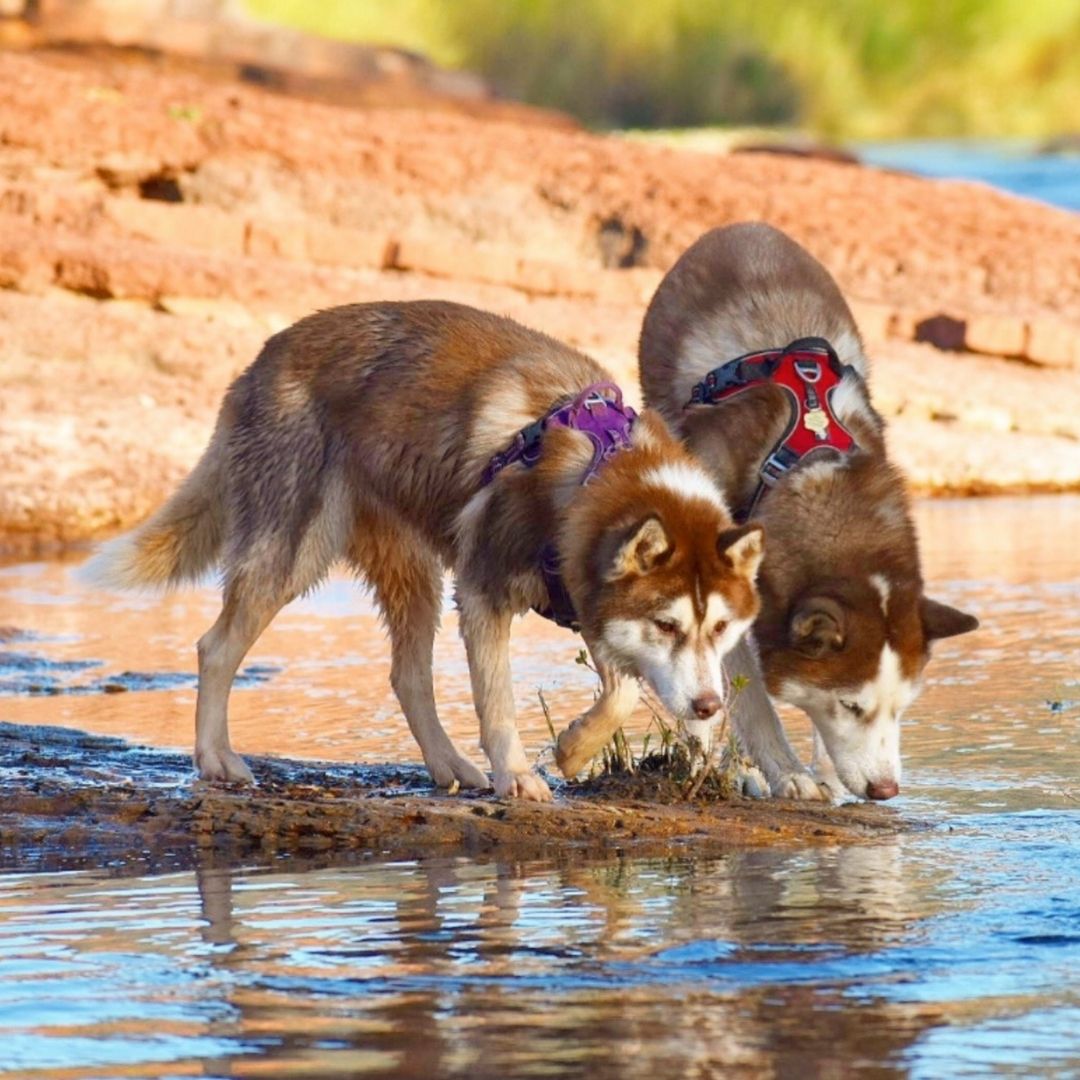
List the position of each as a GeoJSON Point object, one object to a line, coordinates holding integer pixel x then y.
{"type": "Point", "coordinates": [598, 412]}
{"type": "Point", "coordinates": [808, 371]}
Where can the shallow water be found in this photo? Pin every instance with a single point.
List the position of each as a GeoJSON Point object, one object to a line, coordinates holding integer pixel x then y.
{"type": "Point", "coordinates": [949, 951]}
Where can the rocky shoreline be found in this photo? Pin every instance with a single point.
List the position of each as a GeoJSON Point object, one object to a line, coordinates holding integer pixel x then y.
{"type": "Point", "coordinates": [158, 223]}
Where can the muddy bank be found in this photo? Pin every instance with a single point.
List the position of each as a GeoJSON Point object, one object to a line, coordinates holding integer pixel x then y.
{"type": "Point", "coordinates": [73, 800]}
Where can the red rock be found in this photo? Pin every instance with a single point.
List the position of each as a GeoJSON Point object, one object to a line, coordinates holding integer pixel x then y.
{"type": "Point", "coordinates": [182, 225]}
{"type": "Point", "coordinates": [283, 239]}
{"type": "Point", "coordinates": [25, 263]}
{"type": "Point", "coordinates": [941, 331]}
{"type": "Point", "coordinates": [506, 217]}
{"type": "Point", "coordinates": [337, 246]}
{"type": "Point", "coordinates": [1052, 342]}
{"type": "Point", "coordinates": [996, 335]}
{"type": "Point", "coordinates": [875, 321]}
{"type": "Point", "coordinates": [428, 257]}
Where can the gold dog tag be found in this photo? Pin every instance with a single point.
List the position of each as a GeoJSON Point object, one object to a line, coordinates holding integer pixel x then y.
{"type": "Point", "coordinates": [817, 422]}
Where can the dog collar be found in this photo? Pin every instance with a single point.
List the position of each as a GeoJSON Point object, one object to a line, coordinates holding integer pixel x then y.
{"type": "Point", "coordinates": [808, 371]}
{"type": "Point", "coordinates": [598, 412]}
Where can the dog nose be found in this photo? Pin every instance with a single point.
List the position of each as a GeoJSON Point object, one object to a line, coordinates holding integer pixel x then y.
{"type": "Point", "coordinates": [882, 789]}
{"type": "Point", "coordinates": [706, 705]}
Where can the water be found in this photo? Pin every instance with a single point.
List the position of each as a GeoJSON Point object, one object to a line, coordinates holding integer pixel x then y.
{"type": "Point", "coordinates": [951, 951]}
{"type": "Point", "coordinates": [1015, 167]}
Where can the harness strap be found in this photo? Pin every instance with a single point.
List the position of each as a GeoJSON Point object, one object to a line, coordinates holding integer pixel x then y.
{"type": "Point", "coordinates": [809, 372]}
{"type": "Point", "coordinates": [598, 412]}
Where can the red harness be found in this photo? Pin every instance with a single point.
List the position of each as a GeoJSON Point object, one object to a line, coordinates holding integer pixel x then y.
{"type": "Point", "coordinates": [809, 371]}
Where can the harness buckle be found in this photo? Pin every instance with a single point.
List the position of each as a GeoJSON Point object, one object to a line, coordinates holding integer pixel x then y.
{"type": "Point", "coordinates": [776, 465]}
{"type": "Point", "coordinates": [808, 370]}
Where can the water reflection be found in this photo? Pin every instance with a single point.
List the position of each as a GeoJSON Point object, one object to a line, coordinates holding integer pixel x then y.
{"type": "Point", "coordinates": [858, 961]}
{"type": "Point", "coordinates": [451, 967]}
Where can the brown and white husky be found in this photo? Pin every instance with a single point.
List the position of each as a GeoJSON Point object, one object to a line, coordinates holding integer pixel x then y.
{"type": "Point", "coordinates": [402, 439]}
{"type": "Point", "coordinates": [845, 628]}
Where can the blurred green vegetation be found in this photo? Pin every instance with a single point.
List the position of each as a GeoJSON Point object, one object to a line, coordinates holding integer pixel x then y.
{"type": "Point", "coordinates": [840, 68]}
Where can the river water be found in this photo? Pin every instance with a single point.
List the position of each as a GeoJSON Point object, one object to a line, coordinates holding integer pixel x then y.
{"type": "Point", "coordinates": [951, 950]}
{"type": "Point", "coordinates": [1015, 166]}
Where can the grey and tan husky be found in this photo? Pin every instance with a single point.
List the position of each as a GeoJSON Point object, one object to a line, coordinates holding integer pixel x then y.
{"type": "Point", "coordinates": [845, 628]}
{"type": "Point", "coordinates": [369, 434]}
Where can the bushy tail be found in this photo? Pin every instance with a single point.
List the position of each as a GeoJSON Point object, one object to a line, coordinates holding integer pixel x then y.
{"type": "Point", "coordinates": [178, 544]}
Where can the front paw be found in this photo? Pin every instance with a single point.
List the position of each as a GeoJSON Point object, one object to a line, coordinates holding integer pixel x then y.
{"type": "Point", "coordinates": [832, 785]}
{"type": "Point", "coordinates": [800, 785]}
{"type": "Point", "coordinates": [444, 771]}
{"type": "Point", "coordinates": [222, 765]}
{"type": "Point", "coordinates": [578, 744]}
{"type": "Point", "coordinates": [522, 785]}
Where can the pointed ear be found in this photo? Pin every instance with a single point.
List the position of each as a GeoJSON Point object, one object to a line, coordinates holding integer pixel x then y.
{"type": "Point", "coordinates": [743, 549]}
{"type": "Point", "coordinates": [940, 621]}
{"type": "Point", "coordinates": [818, 627]}
{"type": "Point", "coordinates": [645, 547]}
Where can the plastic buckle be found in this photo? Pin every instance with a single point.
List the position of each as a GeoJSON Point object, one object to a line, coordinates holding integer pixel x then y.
{"type": "Point", "coordinates": [773, 469]}
{"type": "Point", "coordinates": [808, 370]}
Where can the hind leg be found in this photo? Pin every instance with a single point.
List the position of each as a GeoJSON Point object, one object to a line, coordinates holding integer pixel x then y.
{"type": "Point", "coordinates": [407, 579]}
{"type": "Point", "coordinates": [221, 650]}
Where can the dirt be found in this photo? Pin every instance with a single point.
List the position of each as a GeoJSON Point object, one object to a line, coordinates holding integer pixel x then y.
{"type": "Point", "coordinates": [74, 801]}
{"type": "Point", "coordinates": [158, 221]}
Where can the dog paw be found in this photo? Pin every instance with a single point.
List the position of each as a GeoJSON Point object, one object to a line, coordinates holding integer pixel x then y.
{"type": "Point", "coordinates": [833, 788]}
{"type": "Point", "coordinates": [522, 785]}
{"type": "Point", "coordinates": [800, 785]}
{"type": "Point", "coordinates": [751, 783]}
{"type": "Point", "coordinates": [458, 767]}
{"type": "Point", "coordinates": [222, 765]}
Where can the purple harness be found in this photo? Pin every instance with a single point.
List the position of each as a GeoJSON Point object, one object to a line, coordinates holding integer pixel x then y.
{"type": "Point", "coordinates": [608, 425]}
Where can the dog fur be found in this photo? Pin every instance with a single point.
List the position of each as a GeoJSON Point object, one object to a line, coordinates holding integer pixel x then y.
{"type": "Point", "coordinates": [360, 434]}
{"type": "Point", "coordinates": [845, 629]}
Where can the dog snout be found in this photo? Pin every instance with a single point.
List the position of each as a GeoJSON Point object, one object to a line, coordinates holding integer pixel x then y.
{"type": "Point", "coordinates": [882, 789]}
{"type": "Point", "coordinates": [706, 705]}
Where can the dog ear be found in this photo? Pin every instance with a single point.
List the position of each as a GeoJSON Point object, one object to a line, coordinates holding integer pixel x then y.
{"type": "Point", "coordinates": [818, 627]}
{"type": "Point", "coordinates": [646, 547]}
{"type": "Point", "coordinates": [941, 621]}
{"type": "Point", "coordinates": [742, 548]}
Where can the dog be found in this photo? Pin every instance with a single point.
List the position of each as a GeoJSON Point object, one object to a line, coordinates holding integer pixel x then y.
{"type": "Point", "coordinates": [405, 438]}
{"type": "Point", "coordinates": [750, 352]}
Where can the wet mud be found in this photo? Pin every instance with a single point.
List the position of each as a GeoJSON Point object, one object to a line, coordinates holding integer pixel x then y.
{"type": "Point", "coordinates": [73, 800]}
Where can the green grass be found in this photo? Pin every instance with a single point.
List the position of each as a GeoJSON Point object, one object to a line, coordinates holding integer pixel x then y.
{"type": "Point", "coordinates": [841, 68]}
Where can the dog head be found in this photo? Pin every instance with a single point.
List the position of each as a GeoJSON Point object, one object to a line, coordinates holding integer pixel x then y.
{"type": "Point", "coordinates": [850, 653]}
{"type": "Point", "coordinates": [674, 600]}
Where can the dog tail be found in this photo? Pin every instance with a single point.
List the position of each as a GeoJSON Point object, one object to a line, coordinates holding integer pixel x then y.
{"type": "Point", "coordinates": [177, 544]}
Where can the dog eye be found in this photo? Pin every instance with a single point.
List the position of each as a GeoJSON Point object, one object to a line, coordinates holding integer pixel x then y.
{"type": "Point", "coordinates": [720, 627]}
{"type": "Point", "coordinates": [666, 626]}
{"type": "Point", "coordinates": [854, 708]}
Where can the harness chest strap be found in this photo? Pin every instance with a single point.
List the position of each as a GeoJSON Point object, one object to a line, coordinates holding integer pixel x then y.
{"type": "Point", "coordinates": [598, 412]}
{"type": "Point", "coordinates": [809, 372]}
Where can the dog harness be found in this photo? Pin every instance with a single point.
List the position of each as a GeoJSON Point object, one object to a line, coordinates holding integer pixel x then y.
{"type": "Point", "coordinates": [598, 412]}
{"type": "Point", "coordinates": [809, 371]}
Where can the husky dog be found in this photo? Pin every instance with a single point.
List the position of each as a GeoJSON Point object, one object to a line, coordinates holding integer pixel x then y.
{"type": "Point", "coordinates": [402, 438]}
{"type": "Point", "coordinates": [750, 352]}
